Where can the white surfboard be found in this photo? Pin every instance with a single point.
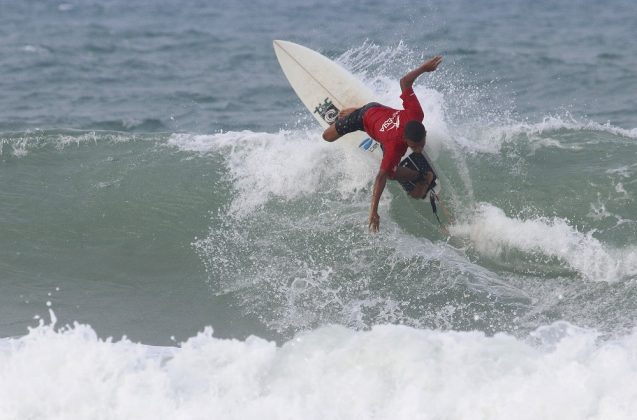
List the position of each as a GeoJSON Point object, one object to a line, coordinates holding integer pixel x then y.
{"type": "Point", "coordinates": [325, 88]}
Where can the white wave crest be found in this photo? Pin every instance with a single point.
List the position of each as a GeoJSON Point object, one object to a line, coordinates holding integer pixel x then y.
{"type": "Point", "coordinates": [287, 164]}
{"type": "Point", "coordinates": [492, 233]}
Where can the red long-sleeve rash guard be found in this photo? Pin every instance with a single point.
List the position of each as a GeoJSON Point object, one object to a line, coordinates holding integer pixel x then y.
{"type": "Point", "coordinates": [387, 125]}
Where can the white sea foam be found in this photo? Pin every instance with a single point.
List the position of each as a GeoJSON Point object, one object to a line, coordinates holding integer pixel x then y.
{"type": "Point", "coordinates": [391, 372]}
{"type": "Point", "coordinates": [286, 165]}
{"type": "Point", "coordinates": [17, 147]}
{"type": "Point", "coordinates": [492, 233]}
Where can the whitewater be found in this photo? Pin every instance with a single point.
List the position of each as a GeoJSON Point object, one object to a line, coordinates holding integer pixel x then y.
{"type": "Point", "coordinates": [557, 372]}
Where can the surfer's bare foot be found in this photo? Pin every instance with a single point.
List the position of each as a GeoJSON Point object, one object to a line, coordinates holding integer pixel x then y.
{"type": "Point", "coordinates": [330, 134]}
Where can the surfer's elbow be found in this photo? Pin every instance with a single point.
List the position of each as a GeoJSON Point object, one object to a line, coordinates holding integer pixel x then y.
{"type": "Point", "coordinates": [406, 83]}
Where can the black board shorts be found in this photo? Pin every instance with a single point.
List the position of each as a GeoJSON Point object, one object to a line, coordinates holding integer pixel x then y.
{"type": "Point", "coordinates": [417, 162]}
{"type": "Point", "coordinates": [354, 121]}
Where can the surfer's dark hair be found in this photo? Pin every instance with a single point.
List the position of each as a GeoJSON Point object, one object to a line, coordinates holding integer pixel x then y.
{"type": "Point", "coordinates": [415, 131]}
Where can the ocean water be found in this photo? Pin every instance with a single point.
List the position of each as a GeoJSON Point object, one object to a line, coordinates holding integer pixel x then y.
{"type": "Point", "coordinates": [176, 240]}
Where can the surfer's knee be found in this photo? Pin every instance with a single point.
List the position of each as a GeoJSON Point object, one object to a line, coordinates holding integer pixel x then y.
{"type": "Point", "coordinates": [418, 192]}
{"type": "Point", "coordinates": [422, 185]}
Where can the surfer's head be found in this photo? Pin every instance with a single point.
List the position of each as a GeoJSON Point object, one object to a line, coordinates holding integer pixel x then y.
{"type": "Point", "coordinates": [415, 135]}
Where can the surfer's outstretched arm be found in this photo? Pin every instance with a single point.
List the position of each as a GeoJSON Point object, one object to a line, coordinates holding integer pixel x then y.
{"type": "Point", "coordinates": [408, 80]}
{"type": "Point", "coordinates": [379, 187]}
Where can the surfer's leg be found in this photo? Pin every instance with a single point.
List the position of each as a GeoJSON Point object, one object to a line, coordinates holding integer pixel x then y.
{"type": "Point", "coordinates": [348, 121]}
{"type": "Point", "coordinates": [415, 184]}
{"type": "Point", "coordinates": [420, 189]}
{"type": "Point", "coordinates": [405, 174]}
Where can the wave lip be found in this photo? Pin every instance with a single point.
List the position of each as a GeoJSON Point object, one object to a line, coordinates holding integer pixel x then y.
{"type": "Point", "coordinates": [492, 139]}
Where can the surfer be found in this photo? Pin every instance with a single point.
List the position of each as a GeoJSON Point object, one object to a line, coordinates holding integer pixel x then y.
{"type": "Point", "coordinates": [396, 130]}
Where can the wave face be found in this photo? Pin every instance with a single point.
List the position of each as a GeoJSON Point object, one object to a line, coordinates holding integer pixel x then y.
{"type": "Point", "coordinates": [544, 228]}
{"type": "Point", "coordinates": [528, 232]}
{"type": "Point", "coordinates": [270, 226]}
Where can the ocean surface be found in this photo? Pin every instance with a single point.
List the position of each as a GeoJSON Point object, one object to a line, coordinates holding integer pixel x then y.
{"type": "Point", "coordinates": [176, 240]}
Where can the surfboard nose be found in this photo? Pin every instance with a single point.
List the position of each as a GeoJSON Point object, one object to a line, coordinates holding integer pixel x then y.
{"type": "Point", "coordinates": [280, 43]}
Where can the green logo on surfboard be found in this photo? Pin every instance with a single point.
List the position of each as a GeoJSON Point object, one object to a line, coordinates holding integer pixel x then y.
{"type": "Point", "coordinates": [327, 111]}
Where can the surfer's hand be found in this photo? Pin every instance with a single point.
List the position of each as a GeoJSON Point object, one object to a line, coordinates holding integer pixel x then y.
{"type": "Point", "coordinates": [407, 81]}
{"type": "Point", "coordinates": [431, 64]}
{"type": "Point", "coordinates": [374, 222]}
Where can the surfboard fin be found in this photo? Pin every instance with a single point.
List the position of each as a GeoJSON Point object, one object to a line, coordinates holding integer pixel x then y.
{"type": "Point", "coordinates": [432, 199]}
